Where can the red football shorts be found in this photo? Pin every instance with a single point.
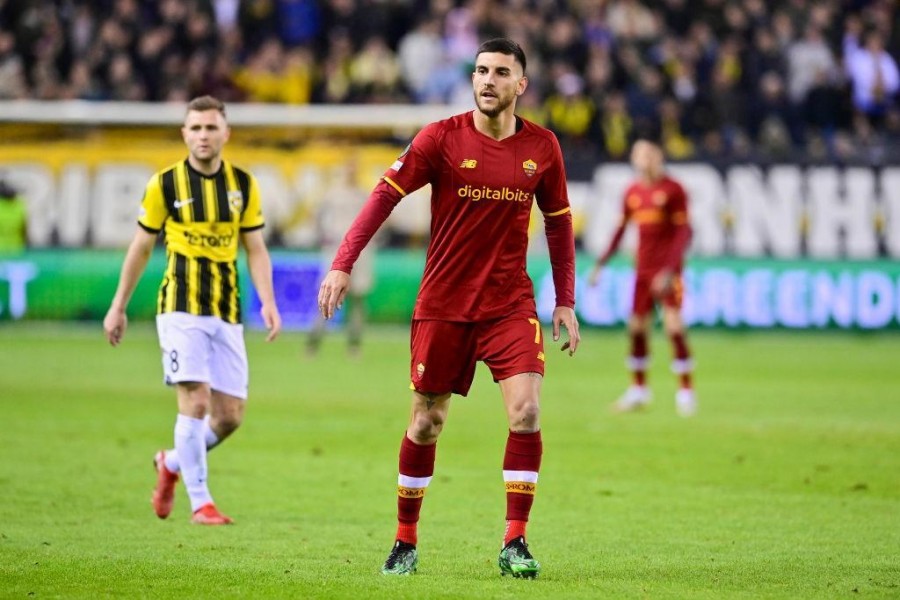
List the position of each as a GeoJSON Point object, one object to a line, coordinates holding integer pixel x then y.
{"type": "Point", "coordinates": [444, 353]}
{"type": "Point", "coordinates": [644, 298]}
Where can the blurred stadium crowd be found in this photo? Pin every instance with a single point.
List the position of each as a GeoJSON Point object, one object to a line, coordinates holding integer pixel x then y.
{"type": "Point", "coordinates": [721, 79]}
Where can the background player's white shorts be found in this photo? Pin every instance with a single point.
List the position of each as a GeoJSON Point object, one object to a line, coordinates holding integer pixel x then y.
{"type": "Point", "coordinates": [204, 349]}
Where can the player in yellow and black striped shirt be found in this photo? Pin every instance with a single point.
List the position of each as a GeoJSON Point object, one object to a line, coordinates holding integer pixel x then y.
{"type": "Point", "coordinates": [202, 216]}
{"type": "Point", "coordinates": [205, 205]}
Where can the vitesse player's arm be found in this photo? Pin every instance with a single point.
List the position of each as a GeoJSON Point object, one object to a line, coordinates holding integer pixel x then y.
{"type": "Point", "coordinates": [260, 264]}
{"type": "Point", "coordinates": [136, 260]}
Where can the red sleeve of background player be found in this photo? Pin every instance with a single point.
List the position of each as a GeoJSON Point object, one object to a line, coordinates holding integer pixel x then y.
{"type": "Point", "coordinates": [619, 232]}
{"type": "Point", "coordinates": [553, 200]}
{"type": "Point", "coordinates": [409, 172]}
{"type": "Point", "coordinates": [678, 217]}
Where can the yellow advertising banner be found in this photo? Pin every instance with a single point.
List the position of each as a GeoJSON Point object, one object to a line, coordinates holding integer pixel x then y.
{"type": "Point", "coordinates": [88, 192]}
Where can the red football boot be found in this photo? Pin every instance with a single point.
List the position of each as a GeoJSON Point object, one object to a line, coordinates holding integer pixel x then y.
{"type": "Point", "coordinates": [164, 492]}
{"type": "Point", "coordinates": [208, 514]}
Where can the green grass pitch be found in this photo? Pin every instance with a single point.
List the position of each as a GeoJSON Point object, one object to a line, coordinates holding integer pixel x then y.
{"type": "Point", "coordinates": [785, 485]}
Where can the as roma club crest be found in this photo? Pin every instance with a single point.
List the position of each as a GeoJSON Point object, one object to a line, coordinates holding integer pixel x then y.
{"type": "Point", "coordinates": [530, 167]}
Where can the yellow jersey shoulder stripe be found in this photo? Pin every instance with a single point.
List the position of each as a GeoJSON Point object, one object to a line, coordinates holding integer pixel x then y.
{"type": "Point", "coordinates": [394, 185]}
{"type": "Point", "coordinates": [559, 212]}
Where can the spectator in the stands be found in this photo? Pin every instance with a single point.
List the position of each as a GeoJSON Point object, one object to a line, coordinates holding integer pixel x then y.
{"type": "Point", "coordinates": [710, 57]}
{"type": "Point", "coordinates": [807, 57]}
{"type": "Point", "coordinates": [873, 75]}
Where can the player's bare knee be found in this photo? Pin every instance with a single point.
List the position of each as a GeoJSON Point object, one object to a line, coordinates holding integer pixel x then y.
{"type": "Point", "coordinates": [225, 425]}
{"type": "Point", "coordinates": [525, 416]}
{"type": "Point", "coordinates": [674, 330]}
{"type": "Point", "coordinates": [636, 326]}
{"type": "Point", "coordinates": [426, 426]}
{"type": "Point", "coordinates": [428, 414]}
{"type": "Point", "coordinates": [193, 398]}
{"type": "Point", "coordinates": [673, 325]}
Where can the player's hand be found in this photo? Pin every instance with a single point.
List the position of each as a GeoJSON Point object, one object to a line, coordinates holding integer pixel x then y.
{"type": "Point", "coordinates": [662, 283]}
{"type": "Point", "coordinates": [566, 316]}
{"type": "Point", "coordinates": [272, 318]}
{"type": "Point", "coordinates": [332, 292]}
{"type": "Point", "coordinates": [114, 324]}
{"type": "Point", "coordinates": [594, 276]}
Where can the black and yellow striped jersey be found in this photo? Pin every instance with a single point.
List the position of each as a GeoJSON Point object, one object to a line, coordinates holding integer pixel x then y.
{"type": "Point", "coordinates": [203, 218]}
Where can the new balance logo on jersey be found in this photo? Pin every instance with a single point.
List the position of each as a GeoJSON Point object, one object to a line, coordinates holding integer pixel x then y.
{"type": "Point", "coordinates": [468, 163]}
{"type": "Point", "coordinates": [180, 203]}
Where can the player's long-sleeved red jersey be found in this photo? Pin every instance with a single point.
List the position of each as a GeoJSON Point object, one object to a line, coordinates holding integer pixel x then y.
{"type": "Point", "coordinates": [660, 212]}
{"type": "Point", "coordinates": [481, 199]}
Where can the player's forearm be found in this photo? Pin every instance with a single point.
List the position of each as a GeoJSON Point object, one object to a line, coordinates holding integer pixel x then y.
{"type": "Point", "coordinates": [680, 242]}
{"type": "Point", "coordinates": [260, 264]}
{"type": "Point", "coordinates": [136, 260]}
{"type": "Point", "coordinates": [561, 245]}
{"type": "Point", "coordinates": [375, 212]}
{"type": "Point", "coordinates": [613, 246]}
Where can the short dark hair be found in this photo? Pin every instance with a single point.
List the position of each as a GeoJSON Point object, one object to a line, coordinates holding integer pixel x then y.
{"type": "Point", "coordinates": [503, 46]}
{"type": "Point", "coordinates": [648, 131]}
{"type": "Point", "coordinates": [202, 103]}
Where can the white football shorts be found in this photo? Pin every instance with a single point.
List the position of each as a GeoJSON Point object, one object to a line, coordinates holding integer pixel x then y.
{"type": "Point", "coordinates": [204, 349]}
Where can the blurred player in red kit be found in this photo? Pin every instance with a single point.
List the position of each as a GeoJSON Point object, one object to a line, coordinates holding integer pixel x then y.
{"type": "Point", "coordinates": [658, 205]}
{"type": "Point", "coordinates": [486, 167]}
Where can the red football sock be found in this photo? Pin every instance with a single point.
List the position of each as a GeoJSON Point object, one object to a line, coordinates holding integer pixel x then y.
{"type": "Point", "coordinates": [682, 363]}
{"type": "Point", "coordinates": [521, 464]}
{"type": "Point", "coordinates": [638, 360]}
{"type": "Point", "coordinates": [514, 529]}
{"type": "Point", "coordinates": [408, 532]}
{"type": "Point", "coordinates": [416, 469]}
{"type": "Point", "coordinates": [639, 377]}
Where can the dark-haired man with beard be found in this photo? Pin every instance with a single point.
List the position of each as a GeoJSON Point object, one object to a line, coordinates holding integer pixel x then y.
{"type": "Point", "coordinates": [486, 168]}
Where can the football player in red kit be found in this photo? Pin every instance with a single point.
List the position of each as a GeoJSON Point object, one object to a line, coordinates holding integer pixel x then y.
{"type": "Point", "coordinates": [486, 168]}
{"type": "Point", "coordinates": [658, 205]}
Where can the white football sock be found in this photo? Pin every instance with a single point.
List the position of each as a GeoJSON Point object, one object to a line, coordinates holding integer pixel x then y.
{"type": "Point", "coordinates": [191, 448]}
{"type": "Point", "coordinates": [212, 440]}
